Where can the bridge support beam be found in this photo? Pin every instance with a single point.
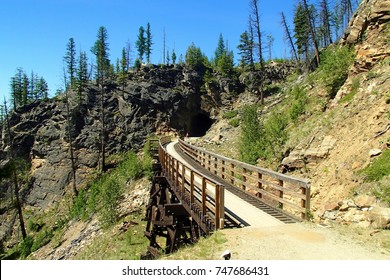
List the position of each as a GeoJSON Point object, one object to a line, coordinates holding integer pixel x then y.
{"type": "Point", "coordinates": [169, 225]}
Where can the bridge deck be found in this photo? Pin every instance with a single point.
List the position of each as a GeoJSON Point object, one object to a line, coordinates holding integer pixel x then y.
{"type": "Point", "coordinates": [245, 212]}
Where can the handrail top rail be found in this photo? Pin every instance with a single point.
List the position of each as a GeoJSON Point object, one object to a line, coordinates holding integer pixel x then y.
{"type": "Point", "coordinates": [302, 182]}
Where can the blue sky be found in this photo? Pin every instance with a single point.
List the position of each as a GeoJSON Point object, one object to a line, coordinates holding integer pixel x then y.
{"type": "Point", "coordinates": [34, 33]}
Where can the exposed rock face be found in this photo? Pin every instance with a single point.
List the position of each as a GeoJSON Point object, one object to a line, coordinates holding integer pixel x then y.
{"type": "Point", "coordinates": [163, 100]}
{"type": "Point", "coordinates": [303, 156]}
{"type": "Point", "coordinates": [369, 30]}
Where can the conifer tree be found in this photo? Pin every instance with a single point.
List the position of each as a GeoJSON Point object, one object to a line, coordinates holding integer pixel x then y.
{"type": "Point", "coordinates": [148, 43]}
{"type": "Point", "coordinates": [42, 89]}
{"type": "Point", "coordinates": [220, 50]}
{"type": "Point", "coordinates": [82, 74]}
{"type": "Point", "coordinates": [140, 43]}
{"type": "Point", "coordinates": [325, 19]}
{"type": "Point", "coordinates": [246, 49]}
{"type": "Point", "coordinates": [100, 50]}
{"type": "Point", "coordinates": [122, 69]}
{"type": "Point", "coordinates": [301, 31]}
{"type": "Point", "coordinates": [270, 42]}
{"type": "Point", "coordinates": [168, 58]}
{"type": "Point", "coordinates": [226, 63]}
{"type": "Point", "coordinates": [173, 57]}
{"type": "Point", "coordinates": [288, 36]}
{"type": "Point", "coordinates": [310, 19]}
{"type": "Point", "coordinates": [194, 57]}
{"type": "Point", "coordinates": [255, 23]}
{"type": "Point", "coordinates": [25, 88]}
{"type": "Point", "coordinates": [70, 61]}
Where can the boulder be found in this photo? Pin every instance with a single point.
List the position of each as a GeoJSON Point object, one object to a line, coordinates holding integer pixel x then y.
{"type": "Point", "coordinates": [364, 200]}
{"type": "Point", "coordinates": [379, 217]}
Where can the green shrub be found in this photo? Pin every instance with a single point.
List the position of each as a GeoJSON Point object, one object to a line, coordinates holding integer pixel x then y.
{"type": "Point", "coordinates": [234, 122]}
{"type": "Point", "coordinates": [262, 139]}
{"type": "Point", "coordinates": [104, 193]}
{"type": "Point", "coordinates": [41, 239]}
{"type": "Point", "coordinates": [333, 70]}
{"type": "Point", "coordinates": [25, 246]}
{"type": "Point", "coordinates": [275, 135]}
{"type": "Point", "coordinates": [229, 115]}
{"type": "Point", "coordinates": [299, 101]}
{"type": "Point", "coordinates": [379, 168]}
{"type": "Point", "coordinates": [110, 194]}
{"type": "Point", "coordinates": [251, 134]}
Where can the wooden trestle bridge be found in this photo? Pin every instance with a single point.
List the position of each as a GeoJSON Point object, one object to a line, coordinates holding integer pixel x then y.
{"type": "Point", "coordinates": [195, 192]}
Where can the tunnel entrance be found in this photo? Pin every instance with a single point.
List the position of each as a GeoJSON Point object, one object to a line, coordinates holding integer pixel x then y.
{"type": "Point", "coordinates": [199, 125]}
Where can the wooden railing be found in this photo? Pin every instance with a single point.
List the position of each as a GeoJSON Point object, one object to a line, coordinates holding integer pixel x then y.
{"type": "Point", "coordinates": [287, 193]}
{"type": "Point", "coordinates": [202, 197]}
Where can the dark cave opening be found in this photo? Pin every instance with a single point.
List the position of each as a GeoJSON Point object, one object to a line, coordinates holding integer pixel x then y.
{"type": "Point", "coordinates": [199, 125]}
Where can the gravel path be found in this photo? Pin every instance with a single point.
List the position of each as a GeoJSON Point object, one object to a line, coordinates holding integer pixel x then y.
{"type": "Point", "coordinates": [301, 241]}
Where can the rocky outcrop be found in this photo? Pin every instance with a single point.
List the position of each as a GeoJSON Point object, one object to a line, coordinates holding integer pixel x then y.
{"type": "Point", "coordinates": [310, 155]}
{"type": "Point", "coordinates": [362, 210]}
{"type": "Point", "coordinates": [369, 30]}
{"type": "Point", "coordinates": [155, 99]}
{"type": "Point", "coordinates": [273, 72]}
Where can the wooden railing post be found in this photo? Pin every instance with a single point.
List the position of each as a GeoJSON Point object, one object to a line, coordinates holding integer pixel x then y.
{"type": "Point", "coordinates": [219, 207]}
{"type": "Point", "coordinates": [223, 169]}
{"type": "Point", "coordinates": [280, 183]}
{"type": "Point", "coordinates": [183, 179]}
{"type": "Point", "coordinates": [204, 197]}
{"type": "Point", "coordinates": [260, 184]}
{"type": "Point", "coordinates": [244, 179]}
{"type": "Point", "coordinates": [232, 173]}
{"type": "Point", "coordinates": [305, 203]}
{"type": "Point", "coordinates": [192, 199]}
{"type": "Point", "coordinates": [177, 174]}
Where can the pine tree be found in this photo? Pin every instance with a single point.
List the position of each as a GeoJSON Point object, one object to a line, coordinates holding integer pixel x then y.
{"type": "Point", "coordinates": [325, 19]}
{"type": "Point", "coordinates": [173, 57]}
{"type": "Point", "coordinates": [255, 23]}
{"type": "Point", "coordinates": [310, 19]}
{"type": "Point", "coordinates": [246, 49]}
{"type": "Point", "coordinates": [128, 54]}
{"type": "Point", "coordinates": [32, 87]}
{"type": "Point", "coordinates": [100, 50]}
{"type": "Point", "coordinates": [122, 69]}
{"type": "Point", "coordinates": [82, 74]}
{"type": "Point", "coordinates": [288, 36]}
{"type": "Point", "coordinates": [168, 58]}
{"type": "Point", "coordinates": [25, 88]}
{"type": "Point", "coordinates": [103, 71]}
{"type": "Point", "coordinates": [148, 43]}
{"type": "Point", "coordinates": [194, 57]}
{"type": "Point", "coordinates": [270, 42]}
{"type": "Point", "coordinates": [42, 89]}
{"type": "Point", "coordinates": [70, 61]}
{"type": "Point", "coordinates": [220, 50]}
{"type": "Point", "coordinates": [140, 43]}
{"type": "Point", "coordinates": [301, 31]}
{"type": "Point", "coordinates": [16, 88]}
{"type": "Point", "coordinates": [226, 63]}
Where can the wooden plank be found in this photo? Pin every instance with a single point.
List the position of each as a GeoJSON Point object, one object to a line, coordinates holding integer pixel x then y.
{"type": "Point", "coordinates": [176, 209]}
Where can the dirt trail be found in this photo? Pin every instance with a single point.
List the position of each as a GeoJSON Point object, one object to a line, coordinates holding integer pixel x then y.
{"type": "Point", "coordinates": [301, 241]}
